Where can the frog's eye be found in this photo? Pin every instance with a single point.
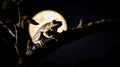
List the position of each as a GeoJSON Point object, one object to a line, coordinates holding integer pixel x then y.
{"type": "Point", "coordinates": [54, 21]}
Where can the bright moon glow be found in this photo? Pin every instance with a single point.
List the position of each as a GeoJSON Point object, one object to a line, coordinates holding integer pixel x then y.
{"type": "Point", "coordinates": [45, 17]}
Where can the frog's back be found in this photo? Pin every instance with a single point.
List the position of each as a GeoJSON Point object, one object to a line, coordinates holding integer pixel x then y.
{"type": "Point", "coordinates": [44, 27]}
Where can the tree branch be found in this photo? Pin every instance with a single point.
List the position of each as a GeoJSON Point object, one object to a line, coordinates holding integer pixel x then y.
{"type": "Point", "coordinates": [7, 29]}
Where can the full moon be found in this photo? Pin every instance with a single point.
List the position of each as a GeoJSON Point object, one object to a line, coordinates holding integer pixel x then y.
{"type": "Point", "coordinates": [46, 16]}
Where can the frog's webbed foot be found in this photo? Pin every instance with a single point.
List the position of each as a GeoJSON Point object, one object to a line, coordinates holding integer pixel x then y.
{"type": "Point", "coordinates": [38, 44]}
{"type": "Point", "coordinates": [54, 38]}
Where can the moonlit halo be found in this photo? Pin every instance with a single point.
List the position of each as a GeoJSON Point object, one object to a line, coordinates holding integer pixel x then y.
{"type": "Point", "coordinates": [47, 16]}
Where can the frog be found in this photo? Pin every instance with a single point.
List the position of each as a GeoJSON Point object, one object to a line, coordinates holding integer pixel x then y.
{"type": "Point", "coordinates": [46, 31]}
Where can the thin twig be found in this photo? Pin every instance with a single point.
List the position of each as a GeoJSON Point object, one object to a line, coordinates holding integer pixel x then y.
{"type": "Point", "coordinates": [19, 16]}
{"type": "Point", "coordinates": [16, 43]}
{"type": "Point", "coordinates": [7, 29]}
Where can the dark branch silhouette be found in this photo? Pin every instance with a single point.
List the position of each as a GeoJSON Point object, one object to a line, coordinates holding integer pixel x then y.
{"type": "Point", "coordinates": [71, 35]}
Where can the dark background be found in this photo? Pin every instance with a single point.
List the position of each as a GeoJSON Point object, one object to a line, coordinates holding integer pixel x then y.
{"type": "Point", "coordinates": [72, 10]}
{"type": "Point", "coordinates": [97, 47]}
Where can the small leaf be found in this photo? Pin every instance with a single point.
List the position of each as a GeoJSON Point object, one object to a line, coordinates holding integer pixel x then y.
{"type": "Point", "coordinates": [5, 5]}
{"type": "Point", "coordinates": [32, 22]}
{"type": "Point", "coordinates": [8, 4]}
{"type": "Point", "coordinates": [28, 19]}
{"type": "Point", "coordinates": [8, 21]}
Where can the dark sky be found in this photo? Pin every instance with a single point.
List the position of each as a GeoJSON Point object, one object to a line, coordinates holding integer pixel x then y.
{"type": "Point", "coordinates": [73, 10]}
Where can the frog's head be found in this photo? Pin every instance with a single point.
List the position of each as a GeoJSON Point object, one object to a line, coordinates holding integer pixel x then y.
{"type": "Point", "coordinates": [57, 23]}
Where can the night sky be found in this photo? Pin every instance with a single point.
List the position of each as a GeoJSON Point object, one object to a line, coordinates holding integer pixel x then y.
{"type": "Point", "coordinates": [72, 10]}
{"type": "Point", "coordinates": [87, 50]}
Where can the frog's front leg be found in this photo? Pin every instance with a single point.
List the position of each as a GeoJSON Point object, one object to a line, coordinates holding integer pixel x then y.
{"type": "Point", "coordinates": [49, 36]}
{"type": "Point", "coordinates": [38, 41]}
{"type": "Point", "coordinates": [38, 44]}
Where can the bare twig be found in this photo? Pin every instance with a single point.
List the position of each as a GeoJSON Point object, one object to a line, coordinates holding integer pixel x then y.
{"type": "Point", "coordinates": [7, 29]}
{"type": "Point", "coordinates": [19, 16]}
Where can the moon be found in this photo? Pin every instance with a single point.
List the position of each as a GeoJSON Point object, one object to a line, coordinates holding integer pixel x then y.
{"type": "Point", "coordinates": [46, 16]}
